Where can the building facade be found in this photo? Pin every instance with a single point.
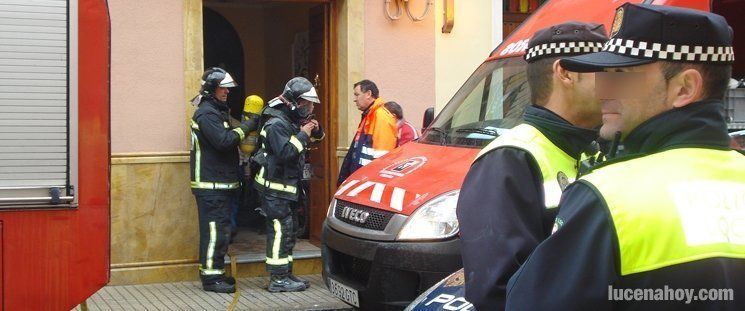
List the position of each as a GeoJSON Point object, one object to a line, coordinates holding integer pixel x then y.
{"type": "Point", "coordinates": [160, 49]}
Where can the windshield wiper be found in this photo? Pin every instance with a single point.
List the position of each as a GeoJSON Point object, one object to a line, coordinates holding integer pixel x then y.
{"type": "Point", "coordinates": [479, 131]}
{"type": "Point", "coordinates": [443, 134]}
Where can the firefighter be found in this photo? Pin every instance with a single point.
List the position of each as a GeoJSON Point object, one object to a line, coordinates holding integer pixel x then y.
{"type": "Point", "coordinates": [287, 131]}
{"type": "Point", "coordinates": [668, 213]}
{"type": "Point", "coordinates": [508, 200]}
{"type": "Point", "coordinates": [213, 161]}
{"type": "Point", "coordinates": [376, 133]}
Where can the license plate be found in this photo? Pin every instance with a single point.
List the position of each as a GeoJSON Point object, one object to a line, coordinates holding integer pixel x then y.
{"type": "Point", "coordinates": [345, 293]}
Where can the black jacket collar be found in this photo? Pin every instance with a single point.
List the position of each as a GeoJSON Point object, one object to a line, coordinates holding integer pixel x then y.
{"type": "Point", "coordinates": [699, 124]}
{"type": "Point", "coordinates": [571, 139]}
{"type": "Point", "coordinates": [216, 104]}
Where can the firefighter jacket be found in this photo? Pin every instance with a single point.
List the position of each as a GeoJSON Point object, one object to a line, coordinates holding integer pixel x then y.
{"type": "Point", "coordinates": [282, 154]}
{"type": "Point", "coordinates": [376, 135]}
{"type": "Point", "coordinates": [665, 214]}
{"type": "Point", "coordinates": [214, 152]}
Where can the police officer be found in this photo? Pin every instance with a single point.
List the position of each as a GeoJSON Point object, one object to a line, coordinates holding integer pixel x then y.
{"type": "Point", "coordinates": [287, 131]}
{"type": "Point", "coordinates": [213, 160]}
{"type": "Point", "coordinates": [508, 200]}
{"type": "Point", "coordinates": [668, 213]}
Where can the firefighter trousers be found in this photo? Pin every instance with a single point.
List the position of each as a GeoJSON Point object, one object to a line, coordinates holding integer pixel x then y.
{"type": "Point", "coordinates": [281, 226]}
{"type": "Point", "coordinates": [214, 233]}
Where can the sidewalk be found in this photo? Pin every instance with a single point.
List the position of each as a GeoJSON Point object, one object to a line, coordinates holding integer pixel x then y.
{"type": "Point", "coordinates": [189, 296]}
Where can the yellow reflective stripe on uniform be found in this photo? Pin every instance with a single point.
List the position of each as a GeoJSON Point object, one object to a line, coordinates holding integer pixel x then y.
{"type": "Point", "coordinates": [211, 271]}
{"type": "Point", "coordinates": [215, 185]}
{"type": "Point", "coordinates": [211, 245]}
{"type": "Point", "coordinates": [263, 133]}
{"type": "Point", "coordinates": [557, 167]}
{"type": "Point", "coordinates": [240, 132]}
{"type": "Point", "coordinates": [690, 207]}
{"type": "Point", "coordinates": [275, 260]}
{"type": "Point", "coordinates": [197, 151]}
{"type": "Point", "coordinates": [296, 142]}
{"type": "Point", "coordinates": [226, 125]}
{"type": "Point", "coordinates": [272, 185]}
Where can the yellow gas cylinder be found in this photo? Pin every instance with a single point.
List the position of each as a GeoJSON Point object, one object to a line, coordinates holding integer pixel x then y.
{"type": "Point", "coordinates": [251, 108]}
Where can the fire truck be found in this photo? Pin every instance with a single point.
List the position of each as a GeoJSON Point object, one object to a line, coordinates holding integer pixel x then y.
{"type": "Point", "coordinates": [391, 230]}
{"type": "Point", "coordinates": [54, 152]}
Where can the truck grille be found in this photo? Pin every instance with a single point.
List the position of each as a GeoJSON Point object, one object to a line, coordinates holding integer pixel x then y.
{"type": "Point", "coordinates": [353, 268]}
{"type": "Point", "coordinates": [377, 220]}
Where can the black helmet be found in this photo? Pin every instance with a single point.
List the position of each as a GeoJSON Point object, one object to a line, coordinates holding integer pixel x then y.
{"type": "Point", "coordinates": [298, 88]}
{"type": "Point", "coordinates": [214, 77]}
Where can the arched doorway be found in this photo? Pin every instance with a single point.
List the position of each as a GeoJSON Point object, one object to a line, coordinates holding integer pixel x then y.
{"type": "Point", "coordinates": [223, 48]}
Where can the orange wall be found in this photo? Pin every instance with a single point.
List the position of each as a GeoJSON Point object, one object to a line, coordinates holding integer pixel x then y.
{"type": "Point", "coordinates": [147, 76]}
{"type": "Point", "coordinates": [400, 59]}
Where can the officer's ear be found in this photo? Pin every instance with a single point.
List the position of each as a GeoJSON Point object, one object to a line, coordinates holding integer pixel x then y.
{"type": "Point", "coordinates": [686, 87]}
{"type": "Point", "coordinates": [563, 76]}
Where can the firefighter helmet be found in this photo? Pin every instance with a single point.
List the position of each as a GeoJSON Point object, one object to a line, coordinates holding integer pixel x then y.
{"type": "Point", "coordinates": [216, 77]}
{"type": "Point", "coordinates": [300, 88]}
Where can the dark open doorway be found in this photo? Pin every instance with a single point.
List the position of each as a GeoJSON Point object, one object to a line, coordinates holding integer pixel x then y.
{"type": "Point", "coordinates": [223, 48]}
{"type": "Point", "coordinates": [264, 44]}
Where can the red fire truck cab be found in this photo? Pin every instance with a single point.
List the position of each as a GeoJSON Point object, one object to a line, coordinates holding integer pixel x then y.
{"type": "Point", "coordinates": [391, 229]}
{"type": "Point", "coordinates": [54, 152]}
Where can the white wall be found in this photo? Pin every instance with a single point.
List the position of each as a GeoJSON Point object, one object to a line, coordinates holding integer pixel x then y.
{"type": "Point", "coordinates": [477, 30]}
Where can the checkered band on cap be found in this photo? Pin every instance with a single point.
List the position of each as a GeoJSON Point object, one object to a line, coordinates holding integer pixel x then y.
{"type": "Point", "coordinates": [563, 49]}
{"type": "Point", "coordinates": [671, 52]}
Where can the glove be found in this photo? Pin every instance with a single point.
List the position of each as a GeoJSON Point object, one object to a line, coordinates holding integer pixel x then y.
{"type": "Point", "coordinates": [250, 125]}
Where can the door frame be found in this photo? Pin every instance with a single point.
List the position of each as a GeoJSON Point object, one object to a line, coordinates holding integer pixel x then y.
{"type": "Point", "coordinates": [194, 65]}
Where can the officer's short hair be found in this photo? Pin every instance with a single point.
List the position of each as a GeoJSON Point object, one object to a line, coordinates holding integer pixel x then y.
{"type": "Point", "coordinates": [367, 85]}
{"type": "Point", "coordinates": [395, 109]}
{"type": "Point", "coordinates": [716, 76]}
{"type": "Point", "coordinates": [540, 80]}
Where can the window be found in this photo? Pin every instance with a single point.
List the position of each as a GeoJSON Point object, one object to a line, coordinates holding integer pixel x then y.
{"type": "Point", "coordinates": [492, 99]}
{"type": "Point", "coordinates": [38, 103]}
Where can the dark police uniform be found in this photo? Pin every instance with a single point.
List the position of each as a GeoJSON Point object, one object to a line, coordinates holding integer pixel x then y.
{"type": "Point", "coordinates": [666, 214]}
{"type": "Point", "coordinates": [508, 200]}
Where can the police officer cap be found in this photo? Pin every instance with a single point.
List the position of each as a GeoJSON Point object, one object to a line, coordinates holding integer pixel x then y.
{"type": "Point", "coordinates": [570, 38]}
{"type": "Point", "coordinates": [643, 34]}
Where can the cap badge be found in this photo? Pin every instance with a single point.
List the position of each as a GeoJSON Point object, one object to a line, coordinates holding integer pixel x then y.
{"type": "Point", "coordinates": [617, 21]}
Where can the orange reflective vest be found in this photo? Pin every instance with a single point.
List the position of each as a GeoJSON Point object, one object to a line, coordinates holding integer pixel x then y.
{"type": "Point", "coordinates": [376, 135]}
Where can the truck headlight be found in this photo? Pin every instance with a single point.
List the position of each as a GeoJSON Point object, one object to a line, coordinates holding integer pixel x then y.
{"type": "Point", "coordinates": [330, 211]}
{"type": "Point", "coordinates": [435, 219]}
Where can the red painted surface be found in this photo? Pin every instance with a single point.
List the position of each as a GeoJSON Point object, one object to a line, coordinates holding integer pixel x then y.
{"type": "Point", "coordinates": [559, 11]}
{"type": "Point", "coordinates": [446, 167]}
{"type": "Point", "coordinates": [55, 259]}
{"type": "Point", "coordinates": [442, 169]}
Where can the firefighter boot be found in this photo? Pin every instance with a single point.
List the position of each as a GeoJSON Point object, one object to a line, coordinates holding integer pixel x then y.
{"type": "Point", "coordinates": [297, 279]}
{"type": "Point", "coordinates": [294, 278]}
{"type": "Point", "coordinates": [283, 283]}
{"type": "Point", "coordinates": [230, 280]}
{"type": "Point", "coordinates": [220, 286]}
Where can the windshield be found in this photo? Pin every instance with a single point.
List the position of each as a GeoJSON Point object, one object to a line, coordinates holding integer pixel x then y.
{"type": "Point", "coordinates": [492, 100]}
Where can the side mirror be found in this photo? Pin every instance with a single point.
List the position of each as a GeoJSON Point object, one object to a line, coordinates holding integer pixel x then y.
{"type": "Point", "coordinates": [429, 116]}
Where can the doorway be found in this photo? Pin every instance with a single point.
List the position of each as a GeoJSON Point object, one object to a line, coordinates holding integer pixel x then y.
{"type": "Point", "coordinates": [266, 43]}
